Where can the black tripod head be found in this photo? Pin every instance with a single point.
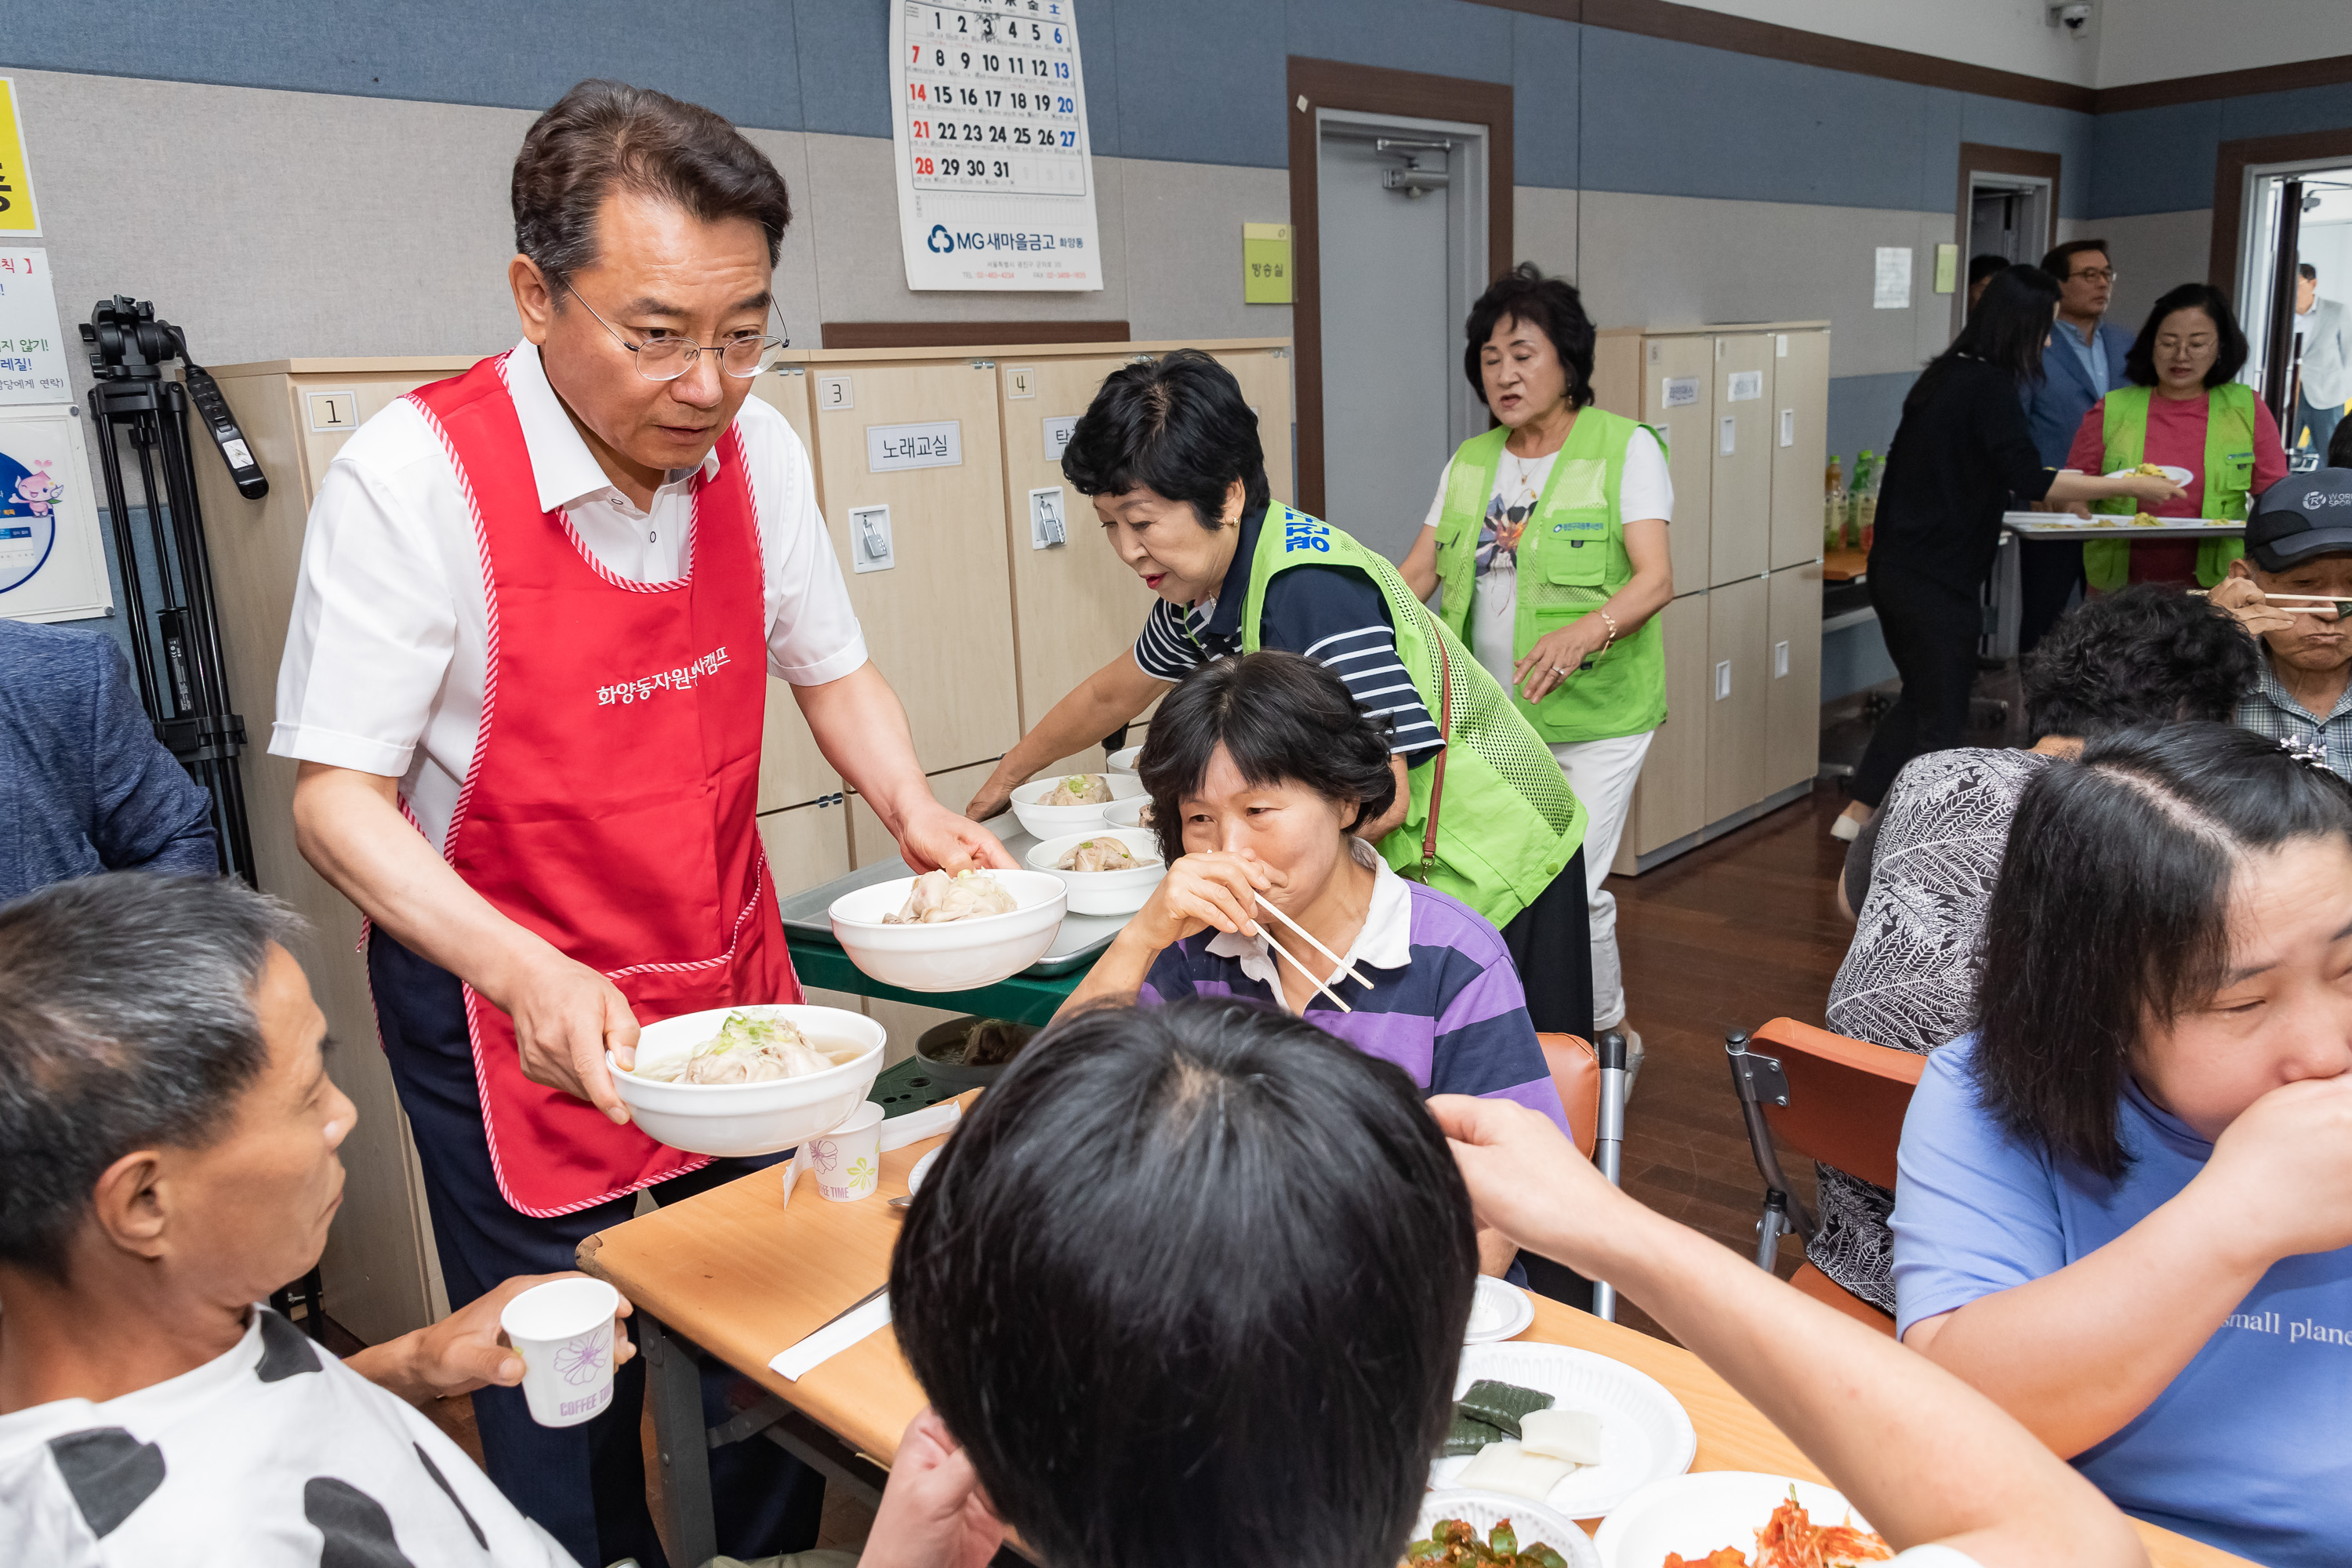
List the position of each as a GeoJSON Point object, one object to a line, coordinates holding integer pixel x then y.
{"type": "Point", "coordinates": [128, 343]}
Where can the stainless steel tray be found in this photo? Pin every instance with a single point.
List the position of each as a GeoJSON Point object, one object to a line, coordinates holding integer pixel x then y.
{"type": "Point", "coordinates": [2064, 525]}
{"type": "Point", "coordinates": [1076, 946]}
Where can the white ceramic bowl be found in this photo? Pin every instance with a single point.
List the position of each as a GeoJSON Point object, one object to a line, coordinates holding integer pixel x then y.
{"type": "Point", "coordinates": [1127, 812]}
{"type": "Point", "coordinates": [1105, 892]}
{"type": "Point", "coordinates": [1703, 1511]}
{"type": "Point", "coordinates": [1052, 821]}
{"type": "Point", "coordinates": [1531, 1522]}
{"type": "Point", "coordinates": [736, 1119]}
{"type": "Point", "coordinates": [952, 955]}
{"type": "Point", "coordinates": [1123, 760]}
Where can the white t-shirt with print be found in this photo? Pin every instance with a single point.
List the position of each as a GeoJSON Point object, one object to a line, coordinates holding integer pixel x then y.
{"type": "Point", "coordinates": [273, 1455]}
{"type": "Point", "coordinates": [1645, 489]}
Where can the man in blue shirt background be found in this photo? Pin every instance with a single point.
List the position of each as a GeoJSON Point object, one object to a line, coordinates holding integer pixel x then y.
{"type": "Point", "coordinates": [2084, 360]}
{"type": "Point", "coordinates": [84, 784]}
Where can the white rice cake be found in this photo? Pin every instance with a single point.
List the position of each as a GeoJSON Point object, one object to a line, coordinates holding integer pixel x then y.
{"type": "Point", "coordinates": [1505, 1467]}
{"type": "Point", "coordinates": [1557, 1434]}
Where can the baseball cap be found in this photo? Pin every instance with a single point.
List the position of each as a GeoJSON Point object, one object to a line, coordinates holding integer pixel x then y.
{"type": "Point", "coordinates": [2302, 516]}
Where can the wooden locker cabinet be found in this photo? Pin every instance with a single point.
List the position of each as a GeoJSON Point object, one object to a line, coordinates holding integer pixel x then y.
{"type": "Point", "coordinates": [807, 846]}
{"type": "Point", "coordinates": [792, 771]}
{"type": "Point", "coordinates": [1792, 729]}
{"type": "Point", "coordinates": [1738, 515]}
{"type": "Point", "coordinates": [297, 415]}
{"type": "Point", "coordinates": [1737, 658]}
{"type": "Point", "coordinates": [1801, 399]}
{"type": "Point", "coordinates": [1670, 799]}
{"type": "Point", "coordinates": [1740, 498]}
{"type": "Point", "coordinates": [939, 623]}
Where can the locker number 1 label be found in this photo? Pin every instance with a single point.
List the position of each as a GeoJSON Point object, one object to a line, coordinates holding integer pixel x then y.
{"type": "Point", "coordinates": [334, 411]}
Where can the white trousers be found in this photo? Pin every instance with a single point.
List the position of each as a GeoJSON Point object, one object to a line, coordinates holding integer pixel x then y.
{"type": "Point", "coordinates": [1602, 773]}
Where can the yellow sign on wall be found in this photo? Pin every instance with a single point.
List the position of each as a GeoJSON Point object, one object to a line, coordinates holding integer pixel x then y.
{"type": "Point", "coordinates": [1265, 263]}
{"type": "Point", "coordinates": [17, 215]}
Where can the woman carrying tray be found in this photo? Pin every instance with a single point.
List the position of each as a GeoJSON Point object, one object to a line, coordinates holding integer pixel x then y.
{"type": "Point", "coordinates": [2184, 410]}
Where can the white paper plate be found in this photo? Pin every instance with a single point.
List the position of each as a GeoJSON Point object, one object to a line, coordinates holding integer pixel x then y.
{"type": "Point", "coordinates": [1699, 1514]}
{"type": "Point", "coordinates": [922, 1168]}
{"type": "Point", "coordinates": [1529, 1522]}
{"type": "Point", "coordinates": [2173, 471]}
{"type": "Point", "coordinates": [1499, 1311]}
{"type": "Point", "coordinates": [1645, 1434]}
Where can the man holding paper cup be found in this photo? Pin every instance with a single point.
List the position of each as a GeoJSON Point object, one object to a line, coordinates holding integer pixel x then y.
{"type": "Point", "coordinates": [526, 678]}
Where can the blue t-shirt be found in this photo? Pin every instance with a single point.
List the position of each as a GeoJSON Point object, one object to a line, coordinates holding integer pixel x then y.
{"type": "Point", "coordinates": [2250, 1448]}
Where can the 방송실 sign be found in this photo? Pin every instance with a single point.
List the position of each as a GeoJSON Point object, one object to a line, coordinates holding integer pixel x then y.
{"type": "Point", "coordinates": [995, 175]}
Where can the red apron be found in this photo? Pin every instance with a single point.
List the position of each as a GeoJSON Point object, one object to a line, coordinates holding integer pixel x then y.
{"type": "Point", "coordinates": [610, 804]}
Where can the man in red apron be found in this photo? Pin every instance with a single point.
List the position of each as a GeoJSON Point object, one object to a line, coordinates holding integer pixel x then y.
{"type": "Point", "coordinates": [526, 679]}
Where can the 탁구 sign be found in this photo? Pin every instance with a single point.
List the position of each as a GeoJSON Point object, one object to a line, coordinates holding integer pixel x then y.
{"type": "Point", "coordinates": [989, 123]}
{"type": "Point", "coordinates": [890, 447]}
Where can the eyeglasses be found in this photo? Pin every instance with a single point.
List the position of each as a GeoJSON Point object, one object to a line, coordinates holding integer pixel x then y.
{"type": "Point", "coordinates": [2098, 274]}
{"type": "Point", "coordinates": [666, 358]}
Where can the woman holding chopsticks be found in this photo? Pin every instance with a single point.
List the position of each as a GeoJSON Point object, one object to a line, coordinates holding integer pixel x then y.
{"type": "Point", "coordinates": [1260, 769]}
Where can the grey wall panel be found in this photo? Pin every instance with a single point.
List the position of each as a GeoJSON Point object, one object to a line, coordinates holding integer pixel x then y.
{"type": "Point", "coordinates": [1184, 249]}
{"type": "Point", "coordinates": [1679, 260]}
{"type": "Point", "coordinates": [2151, 252]}
{"type": "Point", "coordinates": [2161, 160]}
{"type": "Point", "coordinates": [1864, 411]}
{"type": "Point", "coordinates": [1543, 229]}
{"type": "Point", "coordinates": [735, 55]}
{"type": "Point", "coordinates": [2000, 122]}
{"type": "Point", "coordinates": [854, 200]}
{"type": "Point", "coordinates": [295, 224]}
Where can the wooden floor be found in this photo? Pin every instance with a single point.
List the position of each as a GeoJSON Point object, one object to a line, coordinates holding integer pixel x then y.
{"type": "Point", "coordinates": [1734, 933]}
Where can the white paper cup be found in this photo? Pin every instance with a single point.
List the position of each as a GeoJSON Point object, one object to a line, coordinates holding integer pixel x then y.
{"type": "Point", "coordinates": [848, 1160]}
{"type": "Point", "coordinates": [564, 1331]}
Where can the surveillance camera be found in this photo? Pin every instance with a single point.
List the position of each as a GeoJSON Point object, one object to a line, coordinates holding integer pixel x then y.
{"type": "Point", "coordinates": [2074, 17]}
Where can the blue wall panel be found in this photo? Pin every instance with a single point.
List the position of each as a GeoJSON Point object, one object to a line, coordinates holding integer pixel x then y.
{"type": "Point", "coordinates": [843, 67]}
{"type": "Point", "coordinates": [1197, 83]}
{"type": "Point", "coordinates": [2162, 159]}
{"type": "Point", "coordinates": [1863, 412]}
{"type": "Point", "coordinates": [2003, 122]}
{"type": "Point", "coordinates": [736, 56]}
{"type": "Point", "coordinates": [1547, 100]}
{"type": "Point", "coordinates": [1441, 38]}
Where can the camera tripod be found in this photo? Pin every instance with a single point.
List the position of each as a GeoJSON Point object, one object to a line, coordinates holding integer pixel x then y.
{"type": "Point", "coordinates": [183, 681]}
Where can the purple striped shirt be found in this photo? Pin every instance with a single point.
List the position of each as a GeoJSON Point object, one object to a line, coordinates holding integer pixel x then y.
{"type": "Point", "coordinates": [1454, 1018]}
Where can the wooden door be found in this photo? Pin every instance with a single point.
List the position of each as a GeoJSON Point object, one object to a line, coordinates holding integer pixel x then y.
{"type": "Point", "coordinates": [1739, 507]}
{"type": "Point", "coordinates": [1678, 400]}
{"type": "Point", "coordinates": [1670, 800]}
{"type": "Point", "coordinates": [1800, 401]}
{"type": "Point", "coordinates": [1736, 709]}
{"type": "Point", "coordinates": [939, 620]}
{"type": "Point", "coordinates": [1792, 721]}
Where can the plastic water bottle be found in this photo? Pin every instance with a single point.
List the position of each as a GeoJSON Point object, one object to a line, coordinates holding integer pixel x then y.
{"type": "Point", "coordinates": [1834, 506]}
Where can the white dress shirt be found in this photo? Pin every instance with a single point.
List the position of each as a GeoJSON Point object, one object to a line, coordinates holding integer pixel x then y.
{"type": "Point", "coordinates": [386, 654]}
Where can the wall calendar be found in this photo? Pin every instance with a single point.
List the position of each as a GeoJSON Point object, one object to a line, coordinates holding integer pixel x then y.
{"type": "Point", "coordinates": [996, 176]}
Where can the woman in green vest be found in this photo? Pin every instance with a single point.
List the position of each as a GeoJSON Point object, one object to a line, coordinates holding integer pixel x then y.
{"type": "Point", "coordinates": [1169, 452]}
{"type": "Point", "coordinates": [1550, 534]}
{"type": "Point", "coordinates": [2185, 409]}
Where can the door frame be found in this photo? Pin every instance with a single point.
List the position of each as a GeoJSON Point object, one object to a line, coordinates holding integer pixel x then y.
{"type": "Point", "coordinates": [1371, 90]}
{"type": "Point", "coordinates": [2230, 161]}
{"type": "Point", "coordinates": [1979, 158]}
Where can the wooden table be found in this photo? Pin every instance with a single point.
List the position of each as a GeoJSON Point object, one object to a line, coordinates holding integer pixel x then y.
{"type": "Point", "coordinates": [744, 1278]}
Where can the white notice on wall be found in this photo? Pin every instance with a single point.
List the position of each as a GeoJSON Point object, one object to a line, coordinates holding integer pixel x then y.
{"type": "Point", "coordinates": [52, 567]}
{"type": "Point", "coordinates": [1891, 288]}
{"type": "Point", "coordinates": [32, 344]}
{"type": "Point", "coordinates": [989, 122]}
{"type": "Point", "coordinates": [890, 447]}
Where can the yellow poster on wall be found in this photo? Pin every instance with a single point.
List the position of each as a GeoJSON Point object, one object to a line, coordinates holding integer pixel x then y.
{"type": "Point", "coordinates": [1265, 263]}
{"type": "Point", "coordinates": [17, 214]}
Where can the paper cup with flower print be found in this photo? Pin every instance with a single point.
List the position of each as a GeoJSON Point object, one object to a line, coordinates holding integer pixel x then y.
{"type": "Point", "coordinates": [564, 1331]}
{"type": "Point", "coordinates": [848, 1160]}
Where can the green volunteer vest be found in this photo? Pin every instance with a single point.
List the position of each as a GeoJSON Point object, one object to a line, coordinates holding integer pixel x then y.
{"type": "Point", "coordinates": [2229, 475]}
{"type": "Point", "coordinates": [1508, 823]}
{"type": "Point", "coordinates": [1572, 558]}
